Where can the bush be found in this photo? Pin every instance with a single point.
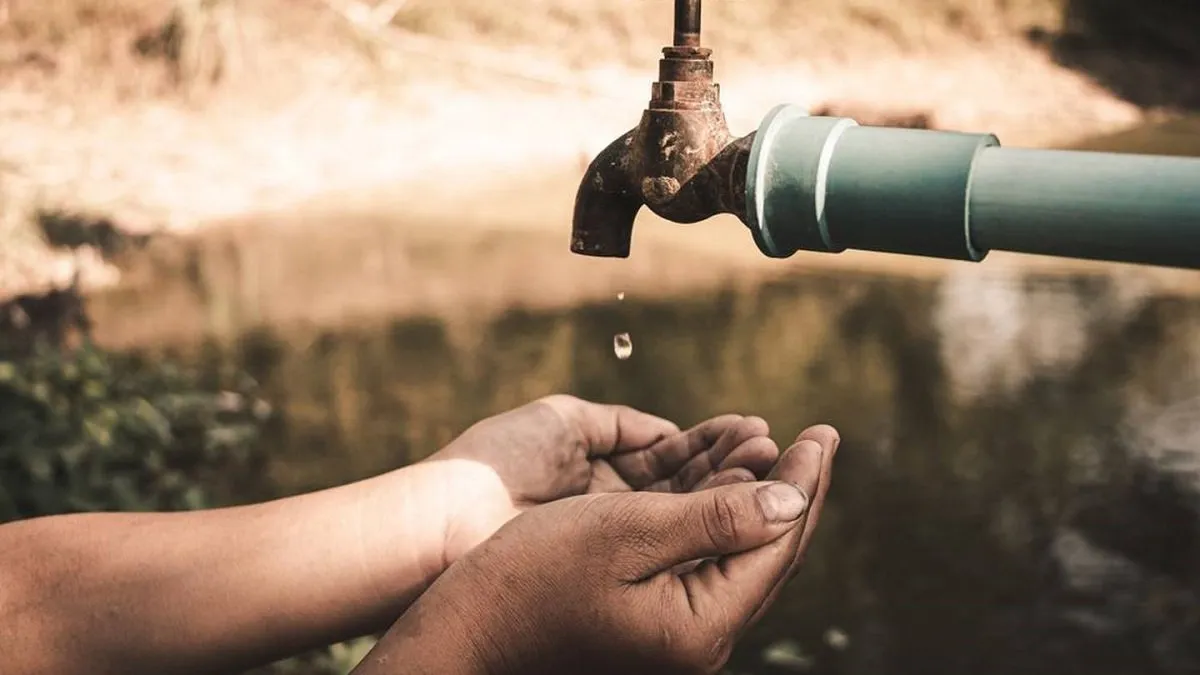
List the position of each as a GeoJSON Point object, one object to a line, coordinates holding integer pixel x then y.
{"type": "Point", "coordinates": [85, 430]}
{"type": "Point", "coordinates": [89, 430]}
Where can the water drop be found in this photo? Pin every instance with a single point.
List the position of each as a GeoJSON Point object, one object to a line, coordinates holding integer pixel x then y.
{"type": "Point", "coordinates": [622, 346]}
{"type": "Point", "coordinates": [621, 295]}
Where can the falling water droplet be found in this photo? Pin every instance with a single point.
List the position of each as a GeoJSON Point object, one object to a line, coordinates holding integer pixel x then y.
{"type": "Point", "coordinates": [621, 295]}
{"type": "Point", "coordinates": [622, 346]}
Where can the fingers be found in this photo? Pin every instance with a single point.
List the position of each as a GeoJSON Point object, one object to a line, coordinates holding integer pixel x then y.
{"type": "Point", "coordinates": [680, 462]}
{"type": "Point", "coordinates": [737, 588]}
{"type": "Point", "coordinates": [829, 440]}
{"type": "Point", "coordinates": [744, 443]}
{"type": "Point", "coordinates": [758, 455]}
{"type": "Point", "coordinates": [662, 461]}
{"type": "Point", "coordinates": [607, 429]}
{"type": "Point", "coordinates": [670, 529]}
{"type": "Point", "coordinates": [726, 477]}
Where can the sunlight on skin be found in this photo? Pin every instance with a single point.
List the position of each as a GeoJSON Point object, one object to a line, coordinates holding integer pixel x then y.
{"type": "Point", "coordinates": [463, 485]}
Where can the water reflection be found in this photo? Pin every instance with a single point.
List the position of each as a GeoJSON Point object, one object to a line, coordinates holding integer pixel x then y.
{"type": "Point", "coordinates": [1019, 485]}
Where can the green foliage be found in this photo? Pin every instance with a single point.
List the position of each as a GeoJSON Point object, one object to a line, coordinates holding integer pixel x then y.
{"type": "Point", "coordinates": [337, 659]}
{"type": "Point", "coordinates": [86, 430]}
{"type": "Point", "coordinates": [89, 430]}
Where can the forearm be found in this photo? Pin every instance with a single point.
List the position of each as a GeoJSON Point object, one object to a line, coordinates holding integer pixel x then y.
{"type": "Point", "coordinates": [220, 590]}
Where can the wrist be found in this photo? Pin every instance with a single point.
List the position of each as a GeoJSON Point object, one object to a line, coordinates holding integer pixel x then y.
{"type": "Point", "coordinates": [401, 519]}
{"type": "Point", "coordinates": [431, 637]}
{"type": "Point", "coordinates": [473, 503]}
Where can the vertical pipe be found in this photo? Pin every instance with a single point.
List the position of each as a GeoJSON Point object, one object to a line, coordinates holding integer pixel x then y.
{"type": "Point", "coordinates": [687, 23]}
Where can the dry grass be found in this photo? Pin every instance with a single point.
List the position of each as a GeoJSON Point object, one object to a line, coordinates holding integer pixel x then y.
{"type": "Point", "coordinates": [59, 22]}
{"type": "Point", "coordinates": [630, 29]}
{"type": "Point", "coordinates": [593, 31]}
{"type": "Point", "coordinates": [580, 31]}
{"type": "Point", "coordinates": [66, 39]}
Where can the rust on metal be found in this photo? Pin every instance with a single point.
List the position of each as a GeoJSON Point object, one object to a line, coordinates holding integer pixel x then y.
{"type": "Point", "coordinates": [681, 161]}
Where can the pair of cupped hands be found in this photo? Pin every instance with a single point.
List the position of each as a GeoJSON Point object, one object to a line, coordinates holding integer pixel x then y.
{"type": "Point", "coordinates": [594, 538]}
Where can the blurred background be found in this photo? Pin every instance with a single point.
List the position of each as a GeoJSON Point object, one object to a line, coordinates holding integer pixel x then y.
{"type": "Point", "coordinates": [251, 248]}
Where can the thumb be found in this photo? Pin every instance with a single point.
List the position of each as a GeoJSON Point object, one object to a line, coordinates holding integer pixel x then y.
{"type": "Point", "coordinates": [678, 528]}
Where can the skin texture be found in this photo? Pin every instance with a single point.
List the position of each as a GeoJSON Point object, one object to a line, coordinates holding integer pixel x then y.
{"type": "Point", "coordinates": [601, 583]}
{"type": "Point", "coordinates": [223, 590]}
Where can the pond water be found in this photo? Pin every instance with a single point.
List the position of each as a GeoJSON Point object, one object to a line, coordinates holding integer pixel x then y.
{"type": "Point", "coordinates": [1018, 488]}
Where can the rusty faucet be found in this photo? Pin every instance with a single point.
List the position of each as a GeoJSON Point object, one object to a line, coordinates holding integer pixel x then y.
{"type": "Point", "coordinates": [679, 161]}
{"type": "Point", "coordinates": [827, 184]}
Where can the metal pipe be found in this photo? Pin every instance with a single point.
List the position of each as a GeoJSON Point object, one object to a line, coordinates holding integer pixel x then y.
{"type": "Point", "coordinates": [687, 23]}
{"type": "Point", "coordinates": [827, 184]}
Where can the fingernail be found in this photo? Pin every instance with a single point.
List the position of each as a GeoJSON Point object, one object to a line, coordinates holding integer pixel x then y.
{"type": "Point", "coordinates": [782, 502]}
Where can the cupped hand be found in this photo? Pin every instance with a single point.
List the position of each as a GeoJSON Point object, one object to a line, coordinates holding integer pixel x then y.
{"type": "Point", "coordinates": [562, 446]}
{"type": "Point", "coordinates": [590, 584]}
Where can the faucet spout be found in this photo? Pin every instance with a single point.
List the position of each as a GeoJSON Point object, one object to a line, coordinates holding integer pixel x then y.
{"type": "Point", "coordinates": [680, 162]}
{"type": "Point", "coordinates": [608, 202]}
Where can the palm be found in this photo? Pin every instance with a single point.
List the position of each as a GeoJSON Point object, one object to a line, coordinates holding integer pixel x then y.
{"type": "Point", "coordinates": [688, 460]}
{"type": "Point", "coordinates": [562, 447]}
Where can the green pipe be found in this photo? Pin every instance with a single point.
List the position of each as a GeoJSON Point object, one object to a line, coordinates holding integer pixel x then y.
{"type": "Point", "coordinates": [827, 184]}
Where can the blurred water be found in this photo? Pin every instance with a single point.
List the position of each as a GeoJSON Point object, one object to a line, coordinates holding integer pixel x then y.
{"type": "Point", "coordinates": [1018, 488]}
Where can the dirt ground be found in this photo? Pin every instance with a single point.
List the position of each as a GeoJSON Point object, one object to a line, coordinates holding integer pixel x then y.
{"type": "Point", "coordinates": [457, 108]}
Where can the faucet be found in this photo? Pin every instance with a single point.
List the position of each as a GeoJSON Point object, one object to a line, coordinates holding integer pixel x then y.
{"type": "Point", "coordinates": [828, 184]}
{"type": "Point", "coordinates": [680, 161]}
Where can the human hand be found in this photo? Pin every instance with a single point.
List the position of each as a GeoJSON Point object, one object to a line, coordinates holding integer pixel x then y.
{"type": "Point", "coordinates": [588, 584]}
{"type": "Point", "coordinates": [562, 446]}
